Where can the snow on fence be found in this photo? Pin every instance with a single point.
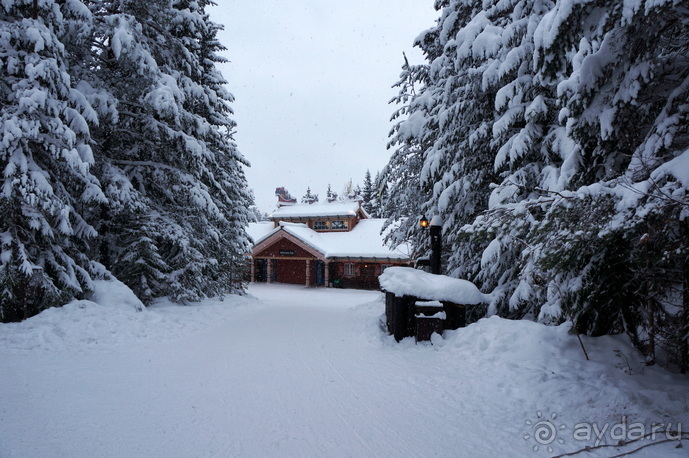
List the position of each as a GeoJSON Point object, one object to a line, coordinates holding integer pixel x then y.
{"type": "Point", "coordinates": [418, 303]}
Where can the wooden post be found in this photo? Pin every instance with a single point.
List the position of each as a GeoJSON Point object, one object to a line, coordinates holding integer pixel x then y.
{"type": "Point", "coordinates": [308, 272]}
{"type": "Point", "coordinates": [269, 263]}
{"type": "Point", "coordinates": [327, 273]}
{"type": "Point", "coordinates": [403, 317]}
{"type": "Point", "coordinates": [253, 270]}
{"type": "Point", "coordinates": [436, 243]}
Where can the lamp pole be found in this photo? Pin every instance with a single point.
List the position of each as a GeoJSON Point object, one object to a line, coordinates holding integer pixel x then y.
{"type": "Point", "coordinates": [436, 243]}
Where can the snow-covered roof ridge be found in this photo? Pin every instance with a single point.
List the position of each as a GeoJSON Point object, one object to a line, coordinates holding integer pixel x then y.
{"type": "Point", "coordinates": [345, 208]}
{"type": "Point", "coordinates": [405, 281]}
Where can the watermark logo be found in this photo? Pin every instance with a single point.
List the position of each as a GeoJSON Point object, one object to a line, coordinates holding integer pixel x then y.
{"type": "Point", "coordinates": [545, 431]}
{"type": "Point", "coordinates": [624, 432]}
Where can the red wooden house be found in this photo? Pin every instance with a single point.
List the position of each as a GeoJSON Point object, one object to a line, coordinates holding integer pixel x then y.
{"type": "Point", "coordinates": [322, 244]}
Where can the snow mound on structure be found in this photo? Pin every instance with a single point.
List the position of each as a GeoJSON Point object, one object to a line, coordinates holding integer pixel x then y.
{"type": "Point", "coordinates": [114, 316]}
{"type": "Point", "coordinates": [412, 282]}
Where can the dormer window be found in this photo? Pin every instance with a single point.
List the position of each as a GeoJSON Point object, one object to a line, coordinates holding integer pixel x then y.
{"type": "Point", "coordinates": [339, 225]}
{"type": "Point", "coordinates": [320, 226]}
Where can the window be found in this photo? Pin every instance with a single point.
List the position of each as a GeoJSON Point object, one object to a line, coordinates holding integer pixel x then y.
{"type": "Point", "coordinates": [339, 225]}
{"type": "Point", "coordinates": [320, 226]}
{"type": "Point", "coordinates": [349, 270]}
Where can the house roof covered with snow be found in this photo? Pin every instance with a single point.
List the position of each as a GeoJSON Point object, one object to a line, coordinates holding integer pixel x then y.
{"type": "Point", "coordinates": [258, 231]}
{"type": "Point", "coordinates": [363, 241]}
{"type": "Point", "coordinates": [346, 208]}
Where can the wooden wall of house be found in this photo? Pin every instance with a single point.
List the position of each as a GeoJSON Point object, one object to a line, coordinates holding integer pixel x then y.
{"type": "Point", "coordinates": [284, 246]}
{"type": "Point", "coordinates": [366, 277]}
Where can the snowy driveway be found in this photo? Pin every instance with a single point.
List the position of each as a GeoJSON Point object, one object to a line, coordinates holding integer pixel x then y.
{"type": "Point", "coordinates": [295, 372]}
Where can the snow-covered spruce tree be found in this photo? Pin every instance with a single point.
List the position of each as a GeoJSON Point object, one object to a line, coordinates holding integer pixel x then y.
{"type": "Point", "coordinates": [226, 181]}
{"type": "Point", "coordinates": [458, 154]}
{"type": "Point", "coordinates": [402, 207]}
{"type": "Point", "coordinates": [624, 87]}
{"type": "Point", "coordinates": [479, 118]}
{"type": "Point", "coordinates": [375, 198]}
{"type": "Point", "coordinates": [46, 162]}
{"type": "Point", "coordinates": [367, 193]}
{"type": "Point", "coordinates": [399, 189]}
{"type": "Point", "coordinates": [309, 198]}
{"type": "Point", "coordinates": [179, 200]}
{"type": "Point", "coordinates": [583, 142]}
{"type": "Point", "coordinates": [526, 146]}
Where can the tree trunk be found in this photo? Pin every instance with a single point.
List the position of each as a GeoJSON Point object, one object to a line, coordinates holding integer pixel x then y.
{"type": "Point", "coordinates": [684, 323]}
{"type": "Point", "coordinates": [651, 358]}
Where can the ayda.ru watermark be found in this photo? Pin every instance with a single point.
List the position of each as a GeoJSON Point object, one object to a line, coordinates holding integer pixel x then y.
{"type": "Point", "coordinates": [547, 432]}
{"type": "Point", "coordinates": [624, 432]}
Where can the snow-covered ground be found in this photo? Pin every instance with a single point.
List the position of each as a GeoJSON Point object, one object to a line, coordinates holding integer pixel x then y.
{"type": "Point", "coordinates": [291, 371]}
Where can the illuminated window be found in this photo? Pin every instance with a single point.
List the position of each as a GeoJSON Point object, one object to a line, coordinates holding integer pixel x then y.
{"type": "Point", "coordinates": [349, 270]}
{"type": "Point", "coordinates": [339, 225]}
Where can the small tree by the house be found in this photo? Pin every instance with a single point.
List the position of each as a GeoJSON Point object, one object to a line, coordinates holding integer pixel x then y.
{"type": "Point", "coordinates": [309, 198]}
{"type": "Point", "coordinates": [330, 195]}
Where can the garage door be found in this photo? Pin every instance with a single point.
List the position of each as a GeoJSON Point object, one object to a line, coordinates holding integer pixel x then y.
{"type": "Point", "coordinates": [289, 271]}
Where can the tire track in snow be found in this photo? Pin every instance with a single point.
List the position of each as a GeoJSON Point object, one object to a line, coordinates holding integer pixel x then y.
{"type": "Point", "coordinates": [355, 395]}
{"type": "Point", "coordinates": [326, 394]}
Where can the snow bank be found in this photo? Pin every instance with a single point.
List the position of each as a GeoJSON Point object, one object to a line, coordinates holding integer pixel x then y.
{"type": "Point", "coordinates": [114, 317]}
{"type": "Point", "coordinates": [532, 364]}
{"type": "Point", "coordinates": [308, 372]}
{"type": "Point", "coordinates": [412, 282]}
{"type": "Point", "coordinates": [114, 293]}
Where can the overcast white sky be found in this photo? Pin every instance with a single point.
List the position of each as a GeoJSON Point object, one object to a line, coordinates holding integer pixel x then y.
{"type": "Point", "coordinates": [312, 80]}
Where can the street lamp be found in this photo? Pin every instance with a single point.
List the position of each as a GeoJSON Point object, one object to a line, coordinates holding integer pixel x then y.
{"type": "Point", "coordinates": [436, 225]}
{"type": "Point", "coordinates": [436, 243]}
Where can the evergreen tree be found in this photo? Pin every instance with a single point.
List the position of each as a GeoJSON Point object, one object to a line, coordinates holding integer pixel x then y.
{"type": "Point", "coordinates": [400, 191]}
{"type": "Point", "coordinates": [550, 135]}
{"type": "Point", "coordinates": [525, 146]}
{"type": "Point", "coordinates": [330, 195]}
{"type": "Point", "coordinates": [624, 88]}
{"type": "Point", "coordinates": [309, 198]}
{"type": "Point", "coordinates": [376, 197]}
{"type": "Point", "coordinates": [116, 122]}
{"type": "Point", "coordinates": [367, 193]}
{"type": "Point", "coordinates": [46, 162]}
{"type": "Point", "coordinates": [165, 152]}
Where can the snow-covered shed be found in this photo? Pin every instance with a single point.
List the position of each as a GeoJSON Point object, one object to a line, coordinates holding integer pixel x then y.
{"type": "Point", "coordinates": [322, 244]}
